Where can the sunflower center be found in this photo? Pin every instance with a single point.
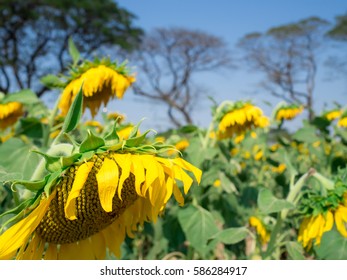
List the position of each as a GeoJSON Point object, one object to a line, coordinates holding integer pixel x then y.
{"type": "Point", "coordinates": [91, 217]}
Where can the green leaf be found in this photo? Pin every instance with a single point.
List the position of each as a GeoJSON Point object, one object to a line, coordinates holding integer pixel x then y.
{"type": "Point", "coordinates": [268, 203]}
{"type": "Point", "coordinates": [231, 235]}
{"type": "Point", "coordinates": [135, 129]}
{"type": "Point", "coordinates": [30, 127]}
{"type": "Point", "coordinates": [92, 142]}
{"type": "Point", "coordinates": [333, 246]}
{"type": "Point", "coordinates": [53, 163]}
{"type": "Point", "coordinates": [112, 137]}
{"type": "Point", "coordinates": [16, 157]}
{"type": "Point", "coordinates": [51, 81]}
{"type": "Point", "coordinates": [198, 225]}
{"type": "Point", "coordinates": [32, 185]}
{"type": "Point", "coordinates": [295, 250]}
{"type": "Point", "coordinates": [73, 51]}
{"type": "Point", "coordinates": [136, 141]}
{"type": "Point", "coordinates": [307, 134]}
{"type": "Point", "coordinates": [51, 181]}
{"type": "Point", "coordinates": [75, 112]}
{"type": "Point", "coordinates": [68, 161]}
{"type": "Point", "coordinates": [25, 96]}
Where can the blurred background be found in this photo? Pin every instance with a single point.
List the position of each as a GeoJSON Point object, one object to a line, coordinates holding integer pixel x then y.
{"type": "Point", "coordinates": [185, 53]}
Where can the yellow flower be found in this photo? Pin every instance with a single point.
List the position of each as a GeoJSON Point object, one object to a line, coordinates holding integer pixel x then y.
{"type": "Point", "coordinates": [261, 230]}
{"type": "Point", "coordinates": [114, 116]}
{"type": "Point", "coordinates": [259, 155]}
{"type": "Point", "coordinates": [314, 227]}
{"type": "Point", "coordinates": [98, 126]}
{"type": "Point", "coordinates": [160, 139]}
{"type": "Point", "coordinates": [342, 122]}
{"type": "Point", "coordinates": [234, 151]}
{"type": "Point", "coordinates": [279, 169]}
{"type": "Point", "coordinates": [125, 132]}
{"type": "Point", "coordinates": [253, 135]}
{"type": "Point", "coordinates": [100, 84]}
{"type": "Point", "coordinates": [94, 205]}
{"type": "Point", "coordinates": [10, 113]}
{"type": "Point", "coordinates": [182, 145]}
{"type": "Point", "coordinates": [316, 144]}
{"type": "Point", "coordinates": [341, 219]}
{"type": "Point", "coordinates": [217, 183]}
{"type": "Point", "coordinates": [239, 138]}
{"type": "Point", "coordinates": [288, 112]}
{"type": "Point", "coordinates": [332, 115]}
{"type": "Point", "coordinates": [241, 119]}
{"type": "Point", "coordinates": [275, 147]}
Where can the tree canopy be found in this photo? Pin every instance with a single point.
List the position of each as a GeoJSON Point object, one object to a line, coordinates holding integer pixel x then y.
{"type": "Point", "coordinates": [34, 36]}
{"type": "Point", "coordinates": [168, 59]}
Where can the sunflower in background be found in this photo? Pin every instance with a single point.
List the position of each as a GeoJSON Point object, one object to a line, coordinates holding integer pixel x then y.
{"type": "Point", "coordinates": [93, 197]}
{"type": "Point", "coordinates": [287, 112]}
{"type": "Point", "coordinates": [332, 114]}
{"type": "Point", "coordinates": [102, 81]}
{"type": "Point", "coordinates": [239, 117]}
{"type": "Point", "coordinates": [342, 122]}
{"type": "Point", "coordinates": [263, 234]}
{"type": "Point", "coordinates": [9, 114]}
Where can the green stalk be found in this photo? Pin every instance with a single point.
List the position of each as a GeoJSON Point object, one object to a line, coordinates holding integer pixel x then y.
{"type": "Point", "coordinates": [50, 123]}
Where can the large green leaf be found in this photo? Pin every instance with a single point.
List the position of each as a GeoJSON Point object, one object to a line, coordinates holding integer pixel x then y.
{"type": "Point", "coordinates": [198, 225]}
{"type": "Point", "coordinates": [333, 246]}
{"type": "Point", "coordinates": [25, 96]}
{"type": "Point", "coordinates": [306, 134]}
{"type": "Point", "coordinates": [231, 235]}
{"type": "Point", "coordinates": [268, 203]}
{"type": "Point", "coordinates": [16, 156]}
{"type": "Point", "coordinates": [295, 250]}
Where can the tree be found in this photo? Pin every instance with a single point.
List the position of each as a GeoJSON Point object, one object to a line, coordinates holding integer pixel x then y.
{"type": "Point", "coordinates": [167, 61]}
{"type": "Point", "coordinates": [34, 36]}
{"type": "Point", "coordinates": [339, 34]}
{"type": "Point", "coordinates": [287, 55]}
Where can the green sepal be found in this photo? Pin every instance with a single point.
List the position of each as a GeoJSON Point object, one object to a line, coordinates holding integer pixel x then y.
{"type": "Point", "coordinates": [53, 163]}
{"type": "Point", "coordinates": [92, 142]}
{"type": "Point", "coordinates": [19, 208]}
{"type": "Point", "coordinates": [112, 137]}
{"type": "Point", "coordinates": [70, 160]}
{"type": "Point", "coordinates": [135, 141]}
{"type": "Point", "coordinates": [73, 51]}
{"type": "Point", "coordinates": [32, 185]}
{"type": "Point", "coordinates": [52, 81]}
{"type": "Point", "coordinates": [75, 112]}
{"type": "Point", "coordinates": [135, 129]}
{"type": "Point", "coordinates": [52, 180]}
{"type": "Point", "coordinates": [22, 213]}
{"type": "Point", "coordinates": [74, 143]}
{"type": "Point", "coordinates": [86, 156]}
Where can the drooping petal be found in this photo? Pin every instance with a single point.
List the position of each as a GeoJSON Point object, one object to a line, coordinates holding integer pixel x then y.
{"type": "Point", "coordinates": [80, 179]}
{"type": "Point", "coordinates": [124, 161]}
{"type": "Point", "coordinates": [178, 195]}
{"type": "Point", "coordinates": [182, 176]}
{"type": "Point", "coordinates": [189, 167]}
{"type": "Point", "coordinates": [138, 170]}
{"type": "Point", "coordinates": [99, 246]}
{"type": "Point", "coordinates": [15, 236]}
{"type": "Point", "coordinates": [107, 178]}
{"type": "Point", "coordinates": [51, 252]}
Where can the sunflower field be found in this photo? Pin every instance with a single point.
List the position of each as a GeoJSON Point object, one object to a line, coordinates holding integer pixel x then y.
{"type": "Point", "coordinates": [243, 188]}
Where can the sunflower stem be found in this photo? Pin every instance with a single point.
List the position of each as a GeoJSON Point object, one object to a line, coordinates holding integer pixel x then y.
{"type": "Point", "coordinates": [51, 123]}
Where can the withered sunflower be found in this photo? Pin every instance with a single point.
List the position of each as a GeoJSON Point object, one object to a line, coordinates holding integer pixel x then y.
{"type": "Point", "coordinates": [240, 117]}
{"type": "Point", "coordinates": [93, 196]}
{"type": "Point", "coordinates": [288, 112]}
{"type": "Point", "coordinates": [102, 80]}
{"type": "Point", "coordinates": [10, 113]}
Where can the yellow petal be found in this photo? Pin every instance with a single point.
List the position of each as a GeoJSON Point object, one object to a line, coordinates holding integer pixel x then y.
{"type": "Point", "coordinates": [107, 178]}
{"type": "Point", "coordinates": [138, 170]}
{"type": "Point", "coordinates": [178, 195]}
{"type": "Point", "coordinates": [80, 179]}
{"type": "Point", "coordinates": [52, 252]}
{"type": "Point", "coordinates": [339, 222]}
{"type": "Point", "coordinates": [329, 222]}
{"type": "Point", "coordinates": [124, 161]}
{"type": "Point", "coordinates": [182, 176]}
{"type": "Point", "coordinates": [187, 166]}
{"type": "Point", "coordinates": [99, 246]}
{"type": "Point", "coordinates": [15, 236]}
{"type": "Point", "coordinates": [69, 252]}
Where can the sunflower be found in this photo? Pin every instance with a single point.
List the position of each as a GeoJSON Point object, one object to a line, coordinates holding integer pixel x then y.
{"type": "Point", "coordinates": [342, 122]}
{"type": "Point", "coordinates": [288, 112]}
{"type": "Point", "coordinates": [101, 82]}
{"type": "Point", "coordinates": [239, 118]}
{"type": "Point", "coordinates": [10, 113]}
{"type": "Point", "coordinates": [260, 229]}
{"type": "Point", "coordinates": [95, 197]}
{"type": "Point", "coordinates": [116, 116]}
{"type": "Point", "coordinates": [314, 227]}
{"type": "Point", "coordinates": [333, 114]}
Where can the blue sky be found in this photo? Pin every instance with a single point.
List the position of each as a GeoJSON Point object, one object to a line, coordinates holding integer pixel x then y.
{"type": "Point", "coordinates": [229, 19]}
